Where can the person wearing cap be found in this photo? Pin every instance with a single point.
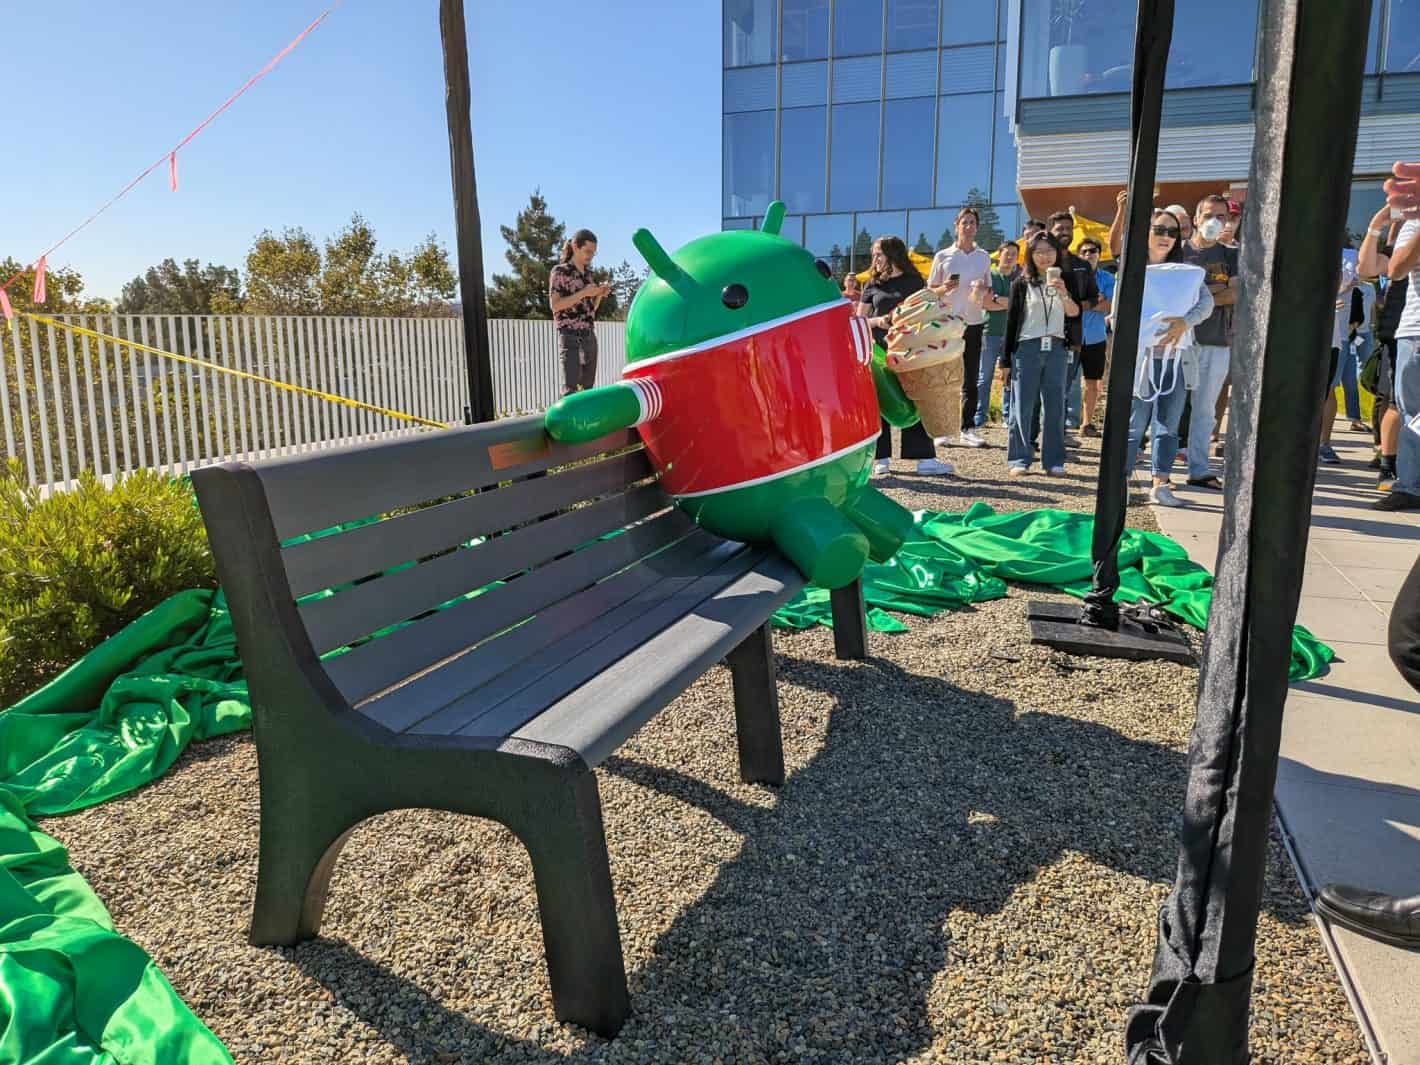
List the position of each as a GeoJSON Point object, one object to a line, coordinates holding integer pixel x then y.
{"type": "Point", "coordinates": [1229, 239]}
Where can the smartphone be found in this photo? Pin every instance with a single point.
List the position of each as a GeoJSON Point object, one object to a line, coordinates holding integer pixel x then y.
{"type": "Point", "coordinates": [954, 277]}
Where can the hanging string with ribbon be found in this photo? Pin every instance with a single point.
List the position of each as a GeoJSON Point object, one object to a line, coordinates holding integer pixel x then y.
{"type": "Point", "coordinates": [169, 157]}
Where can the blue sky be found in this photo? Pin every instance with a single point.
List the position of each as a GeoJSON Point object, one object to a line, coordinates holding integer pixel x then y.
{"type": "Point", "coordinates": [611, 108]}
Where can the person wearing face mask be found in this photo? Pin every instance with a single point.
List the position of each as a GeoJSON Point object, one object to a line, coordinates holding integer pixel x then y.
{"type": "Point", "coordinates": [1213, 337]}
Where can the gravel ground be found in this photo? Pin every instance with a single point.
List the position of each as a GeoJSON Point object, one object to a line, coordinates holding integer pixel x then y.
{"type": "Point", "coordinates": [964, 866]}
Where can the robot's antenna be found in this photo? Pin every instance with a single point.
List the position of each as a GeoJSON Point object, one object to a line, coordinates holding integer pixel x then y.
{"type": "Point", "coordinates": [773, 218]}
{"type": "Point", "coordinates": [659, 260]}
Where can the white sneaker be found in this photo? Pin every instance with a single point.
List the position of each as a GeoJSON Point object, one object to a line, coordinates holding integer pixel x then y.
{"type": "Point", "coordinates": [941, 441]}
{"type": "Point", "coordinates": [1162, 496]}
{"type": "Point", "coordinates": [1056, 471]}
{"type": "Point", "coordinates": [935, 466]}
{"type": "Point", "coordinates": [880, 467]}
{"type": "Point", "coordinates": [970, 439]}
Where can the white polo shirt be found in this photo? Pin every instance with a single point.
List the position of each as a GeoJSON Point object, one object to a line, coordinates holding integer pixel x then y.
{"type": "Point", "coordinates": [971, 265]}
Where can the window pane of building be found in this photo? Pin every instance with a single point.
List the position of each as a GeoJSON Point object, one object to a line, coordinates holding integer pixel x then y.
{"type": "Point", "coordinates": [749, 162]}
{"type": "Point", "coordinates": [803, 149]}
{"type": "Point", "coordinates": [1003, 161]}
{"type": "Point", "coordinates": [749, 89]}
{"type": "Point", "coordinates": [1087, 46]}
{"type": "Point", "coordinates": [749, 32]}
{"type": "Point", "coordinates": [737, 223]}
{"type": "Point", "coordinates": [869, 227]}
{"type": "Point", "coordinates": [1402, 53]}
{"type": "Point", "coordinates": [793, 228]}
{"type": "Point", "coordinates": [995, 223]}
{"type": "Point", "coordinates": [858, 79]}
{"type": "Point", "coordinates": [853, 176]}
{"type": "Point", "coordinates": [1367, 197]}
{"type": "Point", "coordinates": [930, 231]}
{"type": "Point", "coordinates": [829, 237]}
{"type": "Point", "coordinates": [907, 152]}
{"type": "Point", "coordinates": [911, 24]}
{"type": "Point", "coordinates": [912, 74]}
{"type": "Point", "coordinates": [805, 29]}
{"type": "Point", "coordinates": [969, 69]}
{"type": "Point", "coordinates": [969, 21]}
{"type": "Point", "coordinates": [803, 84]}
{"type": "Point", "coordinates": [963, 148]}
{"type": "Point", "coordinates": [857, 27]}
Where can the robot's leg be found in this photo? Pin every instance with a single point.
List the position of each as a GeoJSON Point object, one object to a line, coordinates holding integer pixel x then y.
{"type": "Point", "coordinates": [886, 524]}
{"type": "Point", "coordinates": [828, 549]}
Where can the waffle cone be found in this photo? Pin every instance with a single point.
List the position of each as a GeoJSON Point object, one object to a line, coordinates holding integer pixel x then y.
{"type": "Point", "coordinates": [936, 391]}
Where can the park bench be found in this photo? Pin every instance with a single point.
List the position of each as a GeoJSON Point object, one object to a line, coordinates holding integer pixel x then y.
{"type": "Point", "coordinates": [472, 620]}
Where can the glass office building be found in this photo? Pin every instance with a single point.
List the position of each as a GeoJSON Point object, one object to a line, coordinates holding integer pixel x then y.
{"type": "Point", "coordinates": [867, 118]}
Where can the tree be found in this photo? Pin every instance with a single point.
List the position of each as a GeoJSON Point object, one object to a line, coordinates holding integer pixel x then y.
{"type": "Point", "coordinates": [63, 286]}
{"type": "Point", "coordinates": [534, 243]}
{"type": "Point", "coordinates": [283, 274]}
{"type": "Point", "coordinates": [862, 251]}
{"type": "Point", "coordinates": [189, 289]}
{"type": "Point", "coordinates": [988, 232]}
{"type": "Point", "coordinates": [354, 275]}
{"type": "Point", "coordinates": [922, 247]}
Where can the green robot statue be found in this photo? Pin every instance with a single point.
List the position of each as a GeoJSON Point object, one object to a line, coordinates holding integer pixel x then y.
{"type": "Point", "coordinates": [756, 392]}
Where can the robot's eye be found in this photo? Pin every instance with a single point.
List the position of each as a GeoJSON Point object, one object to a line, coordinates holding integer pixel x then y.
{"type": "Point", "coordinates": [735, 296]}
{"type": "Point", "coordinates": [823, 268]}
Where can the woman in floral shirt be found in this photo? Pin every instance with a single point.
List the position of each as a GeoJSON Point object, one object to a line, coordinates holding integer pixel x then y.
{"type": "Point", "coordinates": [574, 297]}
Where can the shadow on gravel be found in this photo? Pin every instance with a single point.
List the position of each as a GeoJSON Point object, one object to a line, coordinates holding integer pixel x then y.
{"type": "Point", "coordinates": [820, 940]}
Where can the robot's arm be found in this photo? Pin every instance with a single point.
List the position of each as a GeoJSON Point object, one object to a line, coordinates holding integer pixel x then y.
{"type": "Point", "coordinates": [595, 412]}
{"type": "Point", "coordinates": [897, 410]}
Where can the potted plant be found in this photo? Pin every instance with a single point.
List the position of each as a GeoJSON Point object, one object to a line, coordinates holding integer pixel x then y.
{"type": "Point", "coordinates": [1067, 60]}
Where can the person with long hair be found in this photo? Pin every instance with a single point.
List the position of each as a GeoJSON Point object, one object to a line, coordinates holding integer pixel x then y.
{"type": "Point", "coordinates": [892, 278]}
{"type": "Point", "coordinates": [1160, 384]}
{"type": "Point", "coordinates": [574, 298]}
{"type": "Point", "coordinates": [1034, 358]}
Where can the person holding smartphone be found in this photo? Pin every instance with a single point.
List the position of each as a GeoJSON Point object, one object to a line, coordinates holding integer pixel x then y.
{"type": "Point", "coordinates": [574, 297]}
{"type": "Point", "coordinates": [958, 271]}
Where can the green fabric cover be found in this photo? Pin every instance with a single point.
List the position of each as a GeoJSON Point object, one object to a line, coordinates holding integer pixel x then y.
{"type": "Point", "coordinates": [73, 992]}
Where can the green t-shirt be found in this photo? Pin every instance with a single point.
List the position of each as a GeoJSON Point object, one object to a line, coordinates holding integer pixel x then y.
{"type": "Point", "coordinates": [996, 320]}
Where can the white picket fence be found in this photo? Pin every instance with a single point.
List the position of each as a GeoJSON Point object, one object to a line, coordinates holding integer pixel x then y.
{"type": "Point", "coordinates": [72, 402]}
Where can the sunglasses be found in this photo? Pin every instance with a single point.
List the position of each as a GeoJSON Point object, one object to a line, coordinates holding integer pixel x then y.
{"type": "Point", "coordinates": [1165, 231]}
{"type": "Point", "coordinates": [1089, 251]}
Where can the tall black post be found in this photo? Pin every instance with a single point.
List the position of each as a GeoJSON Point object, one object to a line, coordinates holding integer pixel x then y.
{"type": "Point", "coordinates": [470, 230]}
{"type": "Point", "coordinates": [1153, 30]}
{"type": "Point", "coordinates": [1308, 110]}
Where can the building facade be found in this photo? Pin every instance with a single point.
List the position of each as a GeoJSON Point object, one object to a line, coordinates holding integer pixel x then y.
{"type": "Point", "coordinates": [870, 117]}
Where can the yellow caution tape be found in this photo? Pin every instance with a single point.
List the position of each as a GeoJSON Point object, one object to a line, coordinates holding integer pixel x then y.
{"type": "Point", "coordinates": [301, 389]}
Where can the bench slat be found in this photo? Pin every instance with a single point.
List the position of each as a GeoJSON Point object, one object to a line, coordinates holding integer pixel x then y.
{"type": "Point", "coordinates": [307, 493]}
{"type": "Point", "coordinates": [425, 695]}
{"type": "Point", "coordinates": [338, 619]}
{"type": "Point", "coordinates": [464, 714]}
{"type": "Point", "coordinates": [378, 664]}
{"type": "Point", "coordinates": [605, 711]}
{"type": "Point", "coordinates": [367, 549]}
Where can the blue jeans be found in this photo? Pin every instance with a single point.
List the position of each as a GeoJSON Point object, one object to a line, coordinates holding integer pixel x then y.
{"type": "Point", "coordinates": [1161, 416]}
{"type": "Point", "coordinates": [1407, 399]}
{"type": "Point", "coordinates": [1037, 384]}
{"type": "Point", "coordinates": [1351, 363]}
{"type": "Point", "coordinates": [990, 356]}
{"type": "Point", "coordinates": [1073, 397]}
{"type": "Point", "coordinates": [1212, 369]}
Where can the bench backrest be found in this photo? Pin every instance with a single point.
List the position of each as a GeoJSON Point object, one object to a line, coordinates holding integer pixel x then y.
{"type": "Point", "coordinates": [395, 556]}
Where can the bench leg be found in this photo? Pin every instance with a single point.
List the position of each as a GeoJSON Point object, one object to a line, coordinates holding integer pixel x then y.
{"type": "Point", "coordinates": [565, 840]}
{"type": "Point", "coordinates": [297, 856]}
{"type": "Point", "coordinates": [757, 709]}
{"type": "Point", "coordinates": [850, 624]}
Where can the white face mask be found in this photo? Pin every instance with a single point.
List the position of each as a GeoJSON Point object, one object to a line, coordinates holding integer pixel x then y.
{"type": "Point", "coordinates": [1211, 229]}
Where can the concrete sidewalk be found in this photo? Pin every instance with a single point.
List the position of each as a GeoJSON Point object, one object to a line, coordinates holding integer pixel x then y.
{"type": "Point", "coordinates": [1348, 786]}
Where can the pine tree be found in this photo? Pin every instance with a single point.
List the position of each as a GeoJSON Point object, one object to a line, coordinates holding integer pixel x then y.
{"type": "Point", "coordinates": [988, 232]}
{"type": "Point", "coordinates": [534, 243]}
{"type": "Point", "coordinates": [862, 251]}
{"type": "Point", "coordinates": [922, 247]}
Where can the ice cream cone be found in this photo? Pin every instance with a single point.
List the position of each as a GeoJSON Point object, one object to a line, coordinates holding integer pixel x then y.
{"type": "Point", "coordinates": [936, 391]}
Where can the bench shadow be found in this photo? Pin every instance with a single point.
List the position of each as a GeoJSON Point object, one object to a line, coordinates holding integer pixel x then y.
{"type": "Point", "coordinates": [923, 802]}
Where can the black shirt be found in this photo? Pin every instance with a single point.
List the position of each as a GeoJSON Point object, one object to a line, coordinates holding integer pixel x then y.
{"type": "Point", "coordinates": [1220, 265]}
{"type": "Point", "coordinates": [1392, 305]}
{"type": "Point", "coordinates": [1079, 278]}
{"type": "Point", "coordinates": [883, 296]}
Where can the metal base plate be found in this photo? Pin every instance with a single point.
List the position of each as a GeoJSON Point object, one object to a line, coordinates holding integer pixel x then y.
{"type": "Point", "coordinates": [1058, 625]}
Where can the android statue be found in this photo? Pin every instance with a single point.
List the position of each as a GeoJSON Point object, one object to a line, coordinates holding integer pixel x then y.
{"type": "Point", "coordinates": [756, 392]}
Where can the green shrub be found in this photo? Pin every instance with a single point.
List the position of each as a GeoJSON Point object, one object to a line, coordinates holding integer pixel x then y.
{"type": "Point", "coordinates": [79, 565]}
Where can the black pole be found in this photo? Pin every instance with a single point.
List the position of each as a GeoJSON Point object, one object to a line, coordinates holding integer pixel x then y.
{"type": "Point", "coordinates": [1308, 110]}
{"type": "Point", "coordinates": [470, 230]}
{"type": "Point", "coordinates": [1153, 30]}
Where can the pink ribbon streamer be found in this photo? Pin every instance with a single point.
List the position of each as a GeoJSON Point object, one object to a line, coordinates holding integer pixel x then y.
{"type": "Point", "coordinates": [172, 170]}
{"type": "Point", "coordinates": [5, 307]}
{"type": "Point", "coordinates": [39, 282]}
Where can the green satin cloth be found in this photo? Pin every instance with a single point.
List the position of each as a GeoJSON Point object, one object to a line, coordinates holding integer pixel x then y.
{"type": "Point", "coordinates": [967, 557]}
{"type": "Point", "coordinates": [73, 991]}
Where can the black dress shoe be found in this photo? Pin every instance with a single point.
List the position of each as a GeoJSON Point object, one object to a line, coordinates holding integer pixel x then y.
{"type": "Point", "coordinates": [1394, 500]}
{"type": "Point", "coordinates": [1384, 917]}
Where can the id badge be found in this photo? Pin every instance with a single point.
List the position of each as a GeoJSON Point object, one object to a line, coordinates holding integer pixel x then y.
{"type": "Point", "coordinates": [1045, 343]}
